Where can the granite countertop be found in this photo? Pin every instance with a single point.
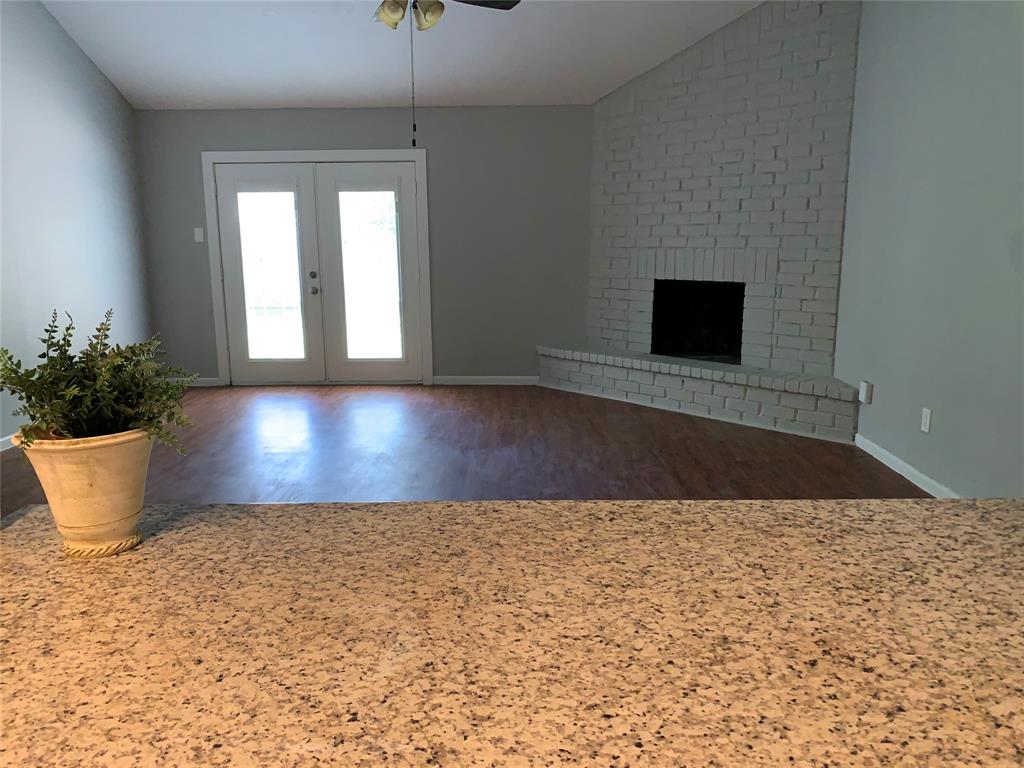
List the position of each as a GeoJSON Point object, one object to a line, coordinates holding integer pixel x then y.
{"type": "Point", "coordinates": [840, 633]}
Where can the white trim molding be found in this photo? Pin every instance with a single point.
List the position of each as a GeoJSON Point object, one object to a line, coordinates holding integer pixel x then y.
{"type": "Point", "coordinates": [895, 463]}
{"type": "Point", "coordinates": [210, 159]}
{"type": "Point", "coordinates": [458, 381]}
{"type": "Point", "coordinates": [209, 381]}
{"type": "Point", "coordinates": [423, 250]}
{"type": "Point", "coordinates": [5, 442]}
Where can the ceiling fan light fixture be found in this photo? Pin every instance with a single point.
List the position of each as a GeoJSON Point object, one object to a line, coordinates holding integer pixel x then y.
{"type": "Point", "coordinates": [427, 13]}
{"type": "Point", "coordinates": [391, 12]}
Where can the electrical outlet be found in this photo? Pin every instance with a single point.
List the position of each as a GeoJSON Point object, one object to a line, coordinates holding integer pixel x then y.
{"type": "Point", "coordinates": [926, 419]}
{"type": "Point", "coordinates": [198, 234]}
{"type": "Point", "coordinates": [867, 390]}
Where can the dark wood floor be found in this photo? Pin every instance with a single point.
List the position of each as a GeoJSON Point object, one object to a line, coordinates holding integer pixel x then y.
{"type": "Point", "coordinates": [273, 444]}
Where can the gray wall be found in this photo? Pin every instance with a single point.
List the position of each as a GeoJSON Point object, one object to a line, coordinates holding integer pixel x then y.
{"type": "Point", "coordinates": [508, 220]}
{"type": "Point", "coordinates": [70, 219]}
{"type": "Point", "coordinates": [933, 282]}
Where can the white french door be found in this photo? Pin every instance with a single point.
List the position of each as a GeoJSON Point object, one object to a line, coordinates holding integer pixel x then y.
{"type": "Point", "coordinates": [271, 272]}
{"type": "Point", "coordinates": [321, 274]}
{"type": "Point", "coordinates": [371, 305]}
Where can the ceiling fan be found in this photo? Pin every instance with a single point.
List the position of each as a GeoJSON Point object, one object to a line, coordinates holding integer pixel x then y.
{"type": "Point", "coordinates": [427, 13]}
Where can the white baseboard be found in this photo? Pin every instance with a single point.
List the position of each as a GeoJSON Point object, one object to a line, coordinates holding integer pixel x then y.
{"type": "Point", "coordinates": [525, 381]}
{"type": "Point", "coordinates": [5, 442]}
{"type": "Point", "coordinates": [895, 463]}
{"type": "Point", "coordinates": [213, 381]}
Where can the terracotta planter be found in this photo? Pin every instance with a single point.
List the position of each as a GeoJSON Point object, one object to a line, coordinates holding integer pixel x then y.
{"type": "Point", "coordinates": [94, 486]}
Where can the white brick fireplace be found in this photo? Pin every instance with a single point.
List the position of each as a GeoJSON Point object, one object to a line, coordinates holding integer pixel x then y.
{"type": "Point", "coordinates": [728, 162]}
{"type": "Point", "coordinates": [800, 403]}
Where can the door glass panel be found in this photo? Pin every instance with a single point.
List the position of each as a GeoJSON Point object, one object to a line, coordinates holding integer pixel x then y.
{"type": "Point", "coordinates": [370, 270]}
{"type": "Point", "coordinates": [271, 275]}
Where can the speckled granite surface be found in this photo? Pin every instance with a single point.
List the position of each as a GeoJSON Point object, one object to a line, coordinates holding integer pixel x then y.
{"type": "Point", "coordinates": [507, 634]}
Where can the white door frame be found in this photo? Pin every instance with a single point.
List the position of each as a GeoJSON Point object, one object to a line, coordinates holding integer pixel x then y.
{"type": "Point", "coordinates": [416, 156]}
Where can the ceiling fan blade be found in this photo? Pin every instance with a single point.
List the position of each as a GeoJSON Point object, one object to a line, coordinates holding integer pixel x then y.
{"type": "Point", "coordinates": [497, 5]}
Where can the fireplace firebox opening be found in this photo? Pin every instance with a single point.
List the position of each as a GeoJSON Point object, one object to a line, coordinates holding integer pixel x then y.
{"type": "Point", "coordinates": [698, 319]}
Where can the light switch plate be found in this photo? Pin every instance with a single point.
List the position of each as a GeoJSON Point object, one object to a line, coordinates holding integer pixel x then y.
{"type": "Point", "coordinates": [867, 389]}
{"type": "Point", "coordinates": [926, 419]}
{"type": "Point", "coordinates": [198, 234]}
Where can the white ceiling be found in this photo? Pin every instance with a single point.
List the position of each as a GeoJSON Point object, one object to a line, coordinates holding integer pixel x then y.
{"type": "Point", "coordinates": [205, 55]}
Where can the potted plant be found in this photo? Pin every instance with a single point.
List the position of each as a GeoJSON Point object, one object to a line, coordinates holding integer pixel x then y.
{"type": "Point", "coordinates": [92, 419]}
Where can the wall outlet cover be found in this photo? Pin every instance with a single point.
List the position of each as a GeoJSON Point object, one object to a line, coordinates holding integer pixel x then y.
{"type": "Point", "coordinates": [198, 234]}
{"type": "Point", "coordinates": [866, 391]}
{"type": "Point", "coordinates": [926, 419]}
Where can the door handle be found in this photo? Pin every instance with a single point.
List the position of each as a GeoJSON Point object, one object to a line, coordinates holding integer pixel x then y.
{"type": "Point", "coordinates": [314, 290]}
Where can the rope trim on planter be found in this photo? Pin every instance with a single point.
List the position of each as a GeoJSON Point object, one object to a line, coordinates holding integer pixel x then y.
{"type": "Point", "coordinates": [84, 552]}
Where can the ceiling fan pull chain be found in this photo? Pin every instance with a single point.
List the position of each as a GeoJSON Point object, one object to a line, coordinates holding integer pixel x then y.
{"type": "Point", "coordinates": [412, 79]}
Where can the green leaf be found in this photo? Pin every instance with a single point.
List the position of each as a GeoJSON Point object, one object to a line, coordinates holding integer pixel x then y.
{"type": "Point", "coordinates": [103, 389]}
